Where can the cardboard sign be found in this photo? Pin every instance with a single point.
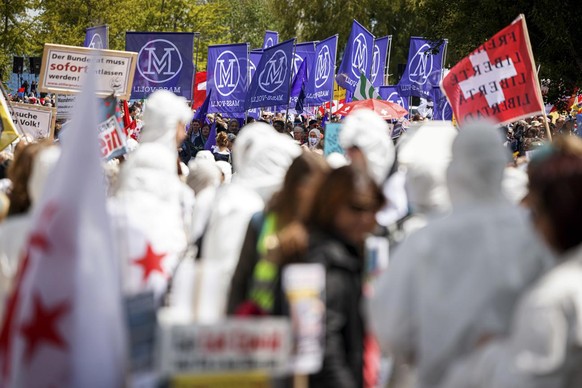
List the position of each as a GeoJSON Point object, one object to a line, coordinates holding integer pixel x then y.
{"type": "Point", "coordinates": [231, 345]}
{"type": "Point", "coordinates": [34, 120]}
{"type": "Point", "coordinates": [65, 105]}
{"type": "Point", "coordinates": [304, 286]}
{"type": "Point", "coordinates": [331, 140]}
{"type": "Point", "coordinates": [64, 69]}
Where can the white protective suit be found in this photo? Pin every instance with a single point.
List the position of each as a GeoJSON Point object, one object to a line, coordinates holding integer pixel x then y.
{"type": "Point", "coordinates": [544, 348]}
{"type": "Point", "coordinates": [262, 157]}
{"type": "Point", "coordinates": [152, 209]}
{"type": "Point", "coordinates": [14, 230]}
{"type": "Point", "coordinates": [424, 153]}
{"type": "Point", "coordinates": [458, 278]}
{"type": "Point", "coordinates": [204, 179]}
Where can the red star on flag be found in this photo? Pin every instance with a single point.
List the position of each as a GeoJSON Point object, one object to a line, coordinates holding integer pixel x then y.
{"type": "Point", "coordinates": [42, 327]}
{"type": "Point", "coordinates": [150, 262]}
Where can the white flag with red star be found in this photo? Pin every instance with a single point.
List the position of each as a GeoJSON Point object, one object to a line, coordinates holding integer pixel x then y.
{"type": "Point", "coordinates": [63, 325]}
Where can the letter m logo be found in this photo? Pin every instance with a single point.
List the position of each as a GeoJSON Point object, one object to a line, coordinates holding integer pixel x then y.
{"type": "Point", "coordinates": [161, 66]}
{"type": "Point", "coordinates": [275, 74]}
{"type": "Point", "coordinates": [226, 73]}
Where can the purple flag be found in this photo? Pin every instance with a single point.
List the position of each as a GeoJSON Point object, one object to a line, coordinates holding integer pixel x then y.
{"type": "Point", "coordinates": [97, 37]}
{"type": "Point", "coordinates": [423, 70]}
{"type": "Point", "coordinates": [357, 57]}
{"type": "Point", "coordinates": [211, 141]}
{"type": "Point", "coordinates": [319, 87]}
{"type": "Point", "coordinates": [270, 85]}
{"type": "Point", "coordinates": [441, 108]}
{"type": "Point", "coordinates": [227, 77]}
{"type": "Point", "coordinates": [379, 57]}
{"type": "Point", "coordinates": [164, 61]}
{"type": "Point", "coordinates": [298, 88]}
{"type": "Point", "coordinates": [271, 39]}
{"type": "Point", "coordinates": [390, 93]}
{"type": "Point", "coordinates": [203, 110]}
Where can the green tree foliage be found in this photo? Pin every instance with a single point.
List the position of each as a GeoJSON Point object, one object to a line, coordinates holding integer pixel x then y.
{"type": "Point", "coordinates": [15, 31]}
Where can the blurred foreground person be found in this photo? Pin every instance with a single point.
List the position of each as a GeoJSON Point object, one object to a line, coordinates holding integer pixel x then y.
{"type": "Point", "coordinates": [544, 345]}
{"type": "Point", "coordinates": [275, 237]}
{"type": "Point", "coordinates": [148, 207]}
{"type": "Point", "coordinates": [457, 280]}
{"type": "Point", "coordinates": [262, 157]}
{"type": "Point", "coordinates": [342, 217]}
{"type": "Point", "coordinates": [29, 173]}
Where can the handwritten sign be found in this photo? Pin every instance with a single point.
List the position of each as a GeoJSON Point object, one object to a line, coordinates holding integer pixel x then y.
{"type": "Point", "coordinates": [34, 120]}
{"type": "Point", "coordinates": [232, 345]}
{"type": "Point", "coordinates": [64, 69]}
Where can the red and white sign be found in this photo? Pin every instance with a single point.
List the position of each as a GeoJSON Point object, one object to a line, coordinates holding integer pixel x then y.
{"type": "Point", "coordinates": [498, 81]}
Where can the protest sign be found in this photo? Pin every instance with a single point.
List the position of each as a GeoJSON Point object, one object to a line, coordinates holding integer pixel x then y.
{"type": "Point", "coordinates": [331, 140]}
{"type": "Point", "coordinates": [304, 286]}
{"type": "Point", "coordinates": [112, 141]}
{"type": "Point", "coordinates": [64, 70]}
{"type": "Point", "coordinates": [65, 104]}
{"type": "Point", "coordinates": [497, 81]}
{"type": "Point", "coordinates": [227, 77]}
{"type": "Point", "coordinates": [34, 120]}
{"type": "Point", "coordinates": [231, 345]}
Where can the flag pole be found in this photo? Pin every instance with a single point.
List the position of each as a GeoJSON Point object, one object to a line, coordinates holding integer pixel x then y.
{"type": "Point", "coordinates": [537, 81]}
{"type": "Point", "coordinates": [290, 82]}
{"type": "Point", "coordinates": [333, 83]}
{"type": "Point", "coordinates": [387, 68]}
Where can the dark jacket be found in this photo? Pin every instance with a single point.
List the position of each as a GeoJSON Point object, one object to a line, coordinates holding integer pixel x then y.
{"type": "Point", "coordinates": [199, 143]}
{"type": "Point", "coordinates": [344, 338]}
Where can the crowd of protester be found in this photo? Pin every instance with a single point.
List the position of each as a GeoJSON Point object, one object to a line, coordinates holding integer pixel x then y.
{"type": "Point", "coordinates": [483, 287]}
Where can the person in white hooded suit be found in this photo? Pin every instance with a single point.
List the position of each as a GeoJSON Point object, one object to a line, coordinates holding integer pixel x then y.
{"type": "Point", "coordinates": [151, 208]}
{"type": "Point", "coordinates": [262, 157]}
{"type": "Point", "coordinates": [456, 281]}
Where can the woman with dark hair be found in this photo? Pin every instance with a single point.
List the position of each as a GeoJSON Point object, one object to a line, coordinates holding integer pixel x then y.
{"type": "Point", "coordinates": [544, 347]}
{"type": "Point", "coordinates": [222, 152]}
{"type": "Point", "coordinates": [274, 238]}
{"type": "Point", "coordinates": [343, 215]}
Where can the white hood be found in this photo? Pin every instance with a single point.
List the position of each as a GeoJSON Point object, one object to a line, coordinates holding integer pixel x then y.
{"type": "Point", "coordinates": [371, 134]}
{"type": "Point", "coordinates": [476, 170]}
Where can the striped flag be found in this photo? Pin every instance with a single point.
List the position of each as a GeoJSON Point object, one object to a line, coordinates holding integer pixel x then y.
{"type": "Point", "coordinates": [365, 90]}
{"type": "Point", "coordinates": [7, 128]}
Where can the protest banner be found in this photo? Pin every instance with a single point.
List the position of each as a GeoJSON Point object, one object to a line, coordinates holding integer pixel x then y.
{"type": "Point", "coordinates": [271, 86]}
{"type": "Point", "coordinates": [497, 81]}
{"type": "Point", "coordinates": [320, 83]}
{"type": "Point", "coordinates": [164, 61]}
{"type": "Point", "coordinates": [35, 121]}
{"type": "Point", "coordinates": [112, 141]}
{"type": "Point", "coordinates": [357, 57]}
{"type": "Point", "coordinates": [331, 140]}
{"type": "Point", "coordinates": [227, 77]}
{"type": "Point", "coordinates": [424, 68]}
{"type": "Point", "coordinates": [379, 59]}
{"type": "Point", "coordinates": [304, 286]}
{"type": "Point", "coordinates": [65, 104]}
{"type": "Point", "coordinates": [271, 39]}
{"type": "Point", "coordinates": [231, 345]}
{"type": "Point", "coordinates": [64, 70]}
{"type": "Point", "coordinates": [97, 37]}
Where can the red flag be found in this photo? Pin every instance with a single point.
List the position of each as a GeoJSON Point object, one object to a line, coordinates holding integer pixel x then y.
{"type": "Point", "coordinates": [498, 80]}
{"type": "Point", "coordinates": [199, 94]}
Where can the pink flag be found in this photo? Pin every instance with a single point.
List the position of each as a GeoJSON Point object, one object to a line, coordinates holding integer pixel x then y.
{"type": "Point", "coordinates": [63, 325]}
